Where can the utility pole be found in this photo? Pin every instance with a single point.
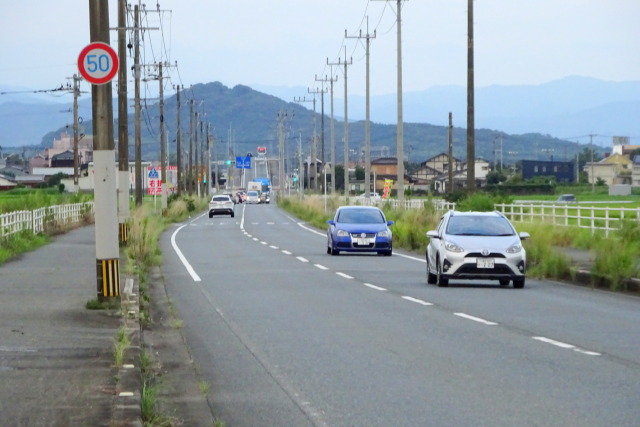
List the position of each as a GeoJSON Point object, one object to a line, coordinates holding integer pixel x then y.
{"type": "Point", "coordinates": [471, 154]}
{"type": "Point", "coordinates": [123, 127]}
{"type": "Point", "coordinates": [345, 136]}
{"type": "Point", "coordinates": [208, 180]}
{"type": "Point", "coordinates": [450, 166]}
{"type": "Point", "coordinates": [105, 200]}
{"type": "Point", "coordinates": [138, 136]}
{"type": "Point", "coordinates": [313, 154]}
{"type": "Point", "coordinates": [178, 143]}
{"type": "Point", "coordinates": [308, 177]}
{"type": "Point", "coordinates": [190, 166]}
{"type": "Point", "coordinates": [322, 92]}
{"type": "Point", "coordinates": [367, 124]}
{"type": "Point", "coordinates": [332, 130]}
{"type": "Point", "coordinates": [76, 133]}
{"type": "Point", "coordinates": [300, 168]}
{"type": "Point", "coordinates": [281, 118]}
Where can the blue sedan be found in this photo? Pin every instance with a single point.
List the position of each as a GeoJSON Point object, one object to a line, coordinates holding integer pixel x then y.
{"type": "Point", "coordinates": [359, 229]}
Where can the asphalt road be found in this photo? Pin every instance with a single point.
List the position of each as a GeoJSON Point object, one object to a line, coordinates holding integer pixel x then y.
{"type": "Point", "coordinates": [285, 334]}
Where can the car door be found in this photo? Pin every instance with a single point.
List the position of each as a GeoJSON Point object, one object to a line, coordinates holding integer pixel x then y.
{"type": "Point", "coordinates": [434, 245]}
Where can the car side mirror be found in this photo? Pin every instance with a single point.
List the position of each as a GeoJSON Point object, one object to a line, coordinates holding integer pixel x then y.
{"type": "Point", "coordinates": [390, 222]}
{"type": "Point", "coordinates": [331, 222]}
{"type": "Point", "coordinates": [432, 234]}
{"type": "Point", "coordinates": [524, 235]}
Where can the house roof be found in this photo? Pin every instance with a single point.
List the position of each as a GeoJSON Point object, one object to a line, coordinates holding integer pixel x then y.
{"type": "Point", "coordinates": [385, 161]}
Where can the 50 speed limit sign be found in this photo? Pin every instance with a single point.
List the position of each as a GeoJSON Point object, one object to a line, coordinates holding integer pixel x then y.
{"type": "Point", "coordinates": [98, 63]}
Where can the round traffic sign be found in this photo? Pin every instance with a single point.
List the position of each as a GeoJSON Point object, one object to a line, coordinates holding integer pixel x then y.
{"type": "Point", "coordinates": [98, 63]}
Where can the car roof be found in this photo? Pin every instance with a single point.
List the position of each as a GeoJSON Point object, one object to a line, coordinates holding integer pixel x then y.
{"type": "Point", "coordinates": [359, 207]}
{"type": "Point", "coordinates": [475, 213]}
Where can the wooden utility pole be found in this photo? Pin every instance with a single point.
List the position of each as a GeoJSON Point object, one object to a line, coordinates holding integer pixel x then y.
{"type": "Point", "coordinates": [308, 175]}
{"type": "Point", "coordinates": [76, 132]}
{"type": "Point", "coordinates": [332, 137]}
{"type": "Point", "coordinates": [123, 126]}
{"type": "Point", "coordinates": [163, 151]}
{"type": "Point", "coordinates": [367, 123]}
{"type": "Point", "coordinates": [190, 166]}
{"type": "Point", "coordinates": [471, 151]}
{"type": "Point", "coordinates": [314, 147]}
{"type": "Point", "coordinates": [105, 198]}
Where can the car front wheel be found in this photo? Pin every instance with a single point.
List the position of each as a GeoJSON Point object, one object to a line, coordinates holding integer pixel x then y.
{"type": "Point", "coordinates": [518, 283]}
{"type": "Point", "coordinates": [431, 278]}
{"type": "Point", "coordinates": [441, 281]}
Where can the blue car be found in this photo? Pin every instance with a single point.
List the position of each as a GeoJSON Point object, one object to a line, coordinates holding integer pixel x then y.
{"type": "Point", "coordinates": [359, 229]}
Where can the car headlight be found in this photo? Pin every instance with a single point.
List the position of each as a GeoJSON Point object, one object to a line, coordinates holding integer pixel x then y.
{"type": "Point", "coordinates": [514, 249]}
{"type": "Point", "coordinates": [384, 233]}
{"type": "Point", "coordinates": [452, 247]}
{"type": "Point", "coordinates": [342, 233]}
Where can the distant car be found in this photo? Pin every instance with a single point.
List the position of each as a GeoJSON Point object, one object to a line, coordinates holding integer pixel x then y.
{"type": "Point", "coordinates": [253, 197]}
{"type": "Point", "coordinates": [221, 204]}
{"type": "Point", "coordinates": [265, 197]}
{"type": "Point", "coordinates": [232, 197]}
{"type": "Point", "coordinates": [372, 195]}
{"type": "Point", "coordinates": [359, 229]}
{"type": "Point", "coordinates": [566, 198]}
{"type": "Point", "coordinates": [476, 245]}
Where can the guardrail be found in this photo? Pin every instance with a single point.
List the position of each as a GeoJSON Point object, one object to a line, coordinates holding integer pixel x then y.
{"type": "Point", "coordinates": [591, 217]}
{"type": "Point", "coordinates": [37, 220]}
{"type": "Point", "coordinates": [440, 204]}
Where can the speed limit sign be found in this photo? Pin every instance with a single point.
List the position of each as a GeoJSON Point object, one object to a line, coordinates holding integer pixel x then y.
{"type": "Point", "coordinates": [98, 63]}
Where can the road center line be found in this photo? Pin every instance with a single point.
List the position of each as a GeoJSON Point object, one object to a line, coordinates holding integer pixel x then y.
{"type": "Point", "coordinates": [566, 346]}
{"type": "Point", "coordinates": [419, 301]}
{"type": "Point", "coordinates": [377, 288]}
{"type": "Point", "coordinates": [299, 258]}
{"type": "Point", "coordinates": [475, 319]}
{"type": "Point", "coordinates": [286, 252]}
{"type": "Point", "coordinates": [274, 247]}
{"type": "Point", "coordinates": [321, 267]}
{"type": "Point", "coordinates": [346, 276]}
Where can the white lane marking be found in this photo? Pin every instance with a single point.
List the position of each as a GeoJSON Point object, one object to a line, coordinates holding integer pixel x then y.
{"type": "Point", "coordinates": [274, 247]}
{"type": "Point", "coordinates": [346, 276]}
{"type": "Point", "coordinates": [300, 224]}
{"type": "Point", "coordinates": [411, 257]}
{"type": "Point", "coordinates": [377, 288]}
{"type": "Point", "coordinates": [255, 239]}
{"type": "Point", "coordinates": [321, 267]}
{"type": "Point", "coordinates": [184, 261]}
{"type": "Point", "coordinates": [286, 252]}
{"type": "Point", "coordinates": [475, 319]}
{"type": "Point", "coordinates": [299, 258]}
{"type": "Point", "coordinates": [270, 223]}
{"type": "Point", "coordinates": [264, 243]}
{"type": "Point", "coordinates": [419, 301]}
{"type": "Point", "coordinates": [566, 346]}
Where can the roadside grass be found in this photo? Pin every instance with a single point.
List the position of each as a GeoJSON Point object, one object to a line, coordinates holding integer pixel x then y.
{"type": "Point", "coordinates": [120, 346]}
{"type": "Point", "coordinates": [19, 243]}
{"type": "Point", "coordinates": [26, 199]}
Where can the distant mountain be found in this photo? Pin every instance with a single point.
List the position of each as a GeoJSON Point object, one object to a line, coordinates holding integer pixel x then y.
{"type": "Point", "coordinates": [563, 108]}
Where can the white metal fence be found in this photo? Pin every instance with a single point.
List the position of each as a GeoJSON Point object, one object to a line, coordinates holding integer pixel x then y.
{"type": "Point", "coordinates": [565, 214]}
{"type": "Point", "coordinates": [591, 217]}
{"type": "Point", "coordinates": [36, 220]}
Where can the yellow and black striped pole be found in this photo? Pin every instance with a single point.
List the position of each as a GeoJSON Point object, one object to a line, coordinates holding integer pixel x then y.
{"type": "Point", "coordinates": [108, 273]}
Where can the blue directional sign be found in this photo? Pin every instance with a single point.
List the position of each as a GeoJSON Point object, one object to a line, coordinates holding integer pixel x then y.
{"type": "Point", "coordinates": [243, 162]}
{"type": "Point", "coordinates": [153, 173]}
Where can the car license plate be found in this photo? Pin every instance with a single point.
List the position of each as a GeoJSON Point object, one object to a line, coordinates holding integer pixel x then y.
{"type": "Point", "coordinates": [363, 242]}
{"type": "Point", "coordinates": [485, 262]}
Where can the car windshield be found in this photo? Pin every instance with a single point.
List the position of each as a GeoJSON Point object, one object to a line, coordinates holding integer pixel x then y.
{"type": "Point", "coordinates": [360, 216]}
{"type": "Point", "coordinates": [479, 225]}
{"type": "Point", "coordinates": [252, 193]}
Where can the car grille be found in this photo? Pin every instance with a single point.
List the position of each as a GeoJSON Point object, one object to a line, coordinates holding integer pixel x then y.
{"type": "Point", "coordinates": [479, 255]}
{"type": "Point", "coordinates": [367, 235]}
{"type": "Point", "coordinates": [500, 269]}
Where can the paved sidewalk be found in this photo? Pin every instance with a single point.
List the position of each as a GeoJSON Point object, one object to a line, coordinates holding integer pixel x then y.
{"type": "Point", "coordinates": [56, 357]}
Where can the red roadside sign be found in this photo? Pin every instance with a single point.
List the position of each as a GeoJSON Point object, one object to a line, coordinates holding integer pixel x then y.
{"type": "Point", "coordinates": [98, 63]}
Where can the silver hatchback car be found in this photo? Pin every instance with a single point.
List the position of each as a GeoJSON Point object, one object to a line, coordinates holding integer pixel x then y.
{"type": "Point", "coordinates": [476, 245]}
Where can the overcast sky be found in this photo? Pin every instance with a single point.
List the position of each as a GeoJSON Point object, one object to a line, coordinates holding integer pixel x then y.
{"type": "Point", "coordinates": [288, 42]}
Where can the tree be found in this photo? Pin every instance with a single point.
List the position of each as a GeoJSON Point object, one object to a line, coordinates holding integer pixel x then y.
{"type": "Point", "coordinates": [359, 173]}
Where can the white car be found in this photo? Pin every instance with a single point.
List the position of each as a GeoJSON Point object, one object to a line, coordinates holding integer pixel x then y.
{"type": "Point", "coordinates": [372, 195]}
{"type": "Point", "coordinates": [221, 204]}
{"type": "Point", "coordinates": [253, 197]}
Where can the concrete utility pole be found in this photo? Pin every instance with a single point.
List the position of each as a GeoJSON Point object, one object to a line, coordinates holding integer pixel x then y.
{"type": "Point", "coordinates": [178, 144]}
{"type": "Point", "coordinates": [345, 136]}
{"type": "Point", "coordinates": [163, 151]}
{"type": "Point", "coordinates": [367, 124]}
{"type": "Point", "coordinates": [332, 131]}
{"type": "Point", "coordinates": [322, 92]}
{"type": "Point", "coordinates": [208, 180]}
{"type": "Point", "coordinates": [105, 198]}
{"type": "Point", "coordinates": [76, 131]}
{"type": "Point", "coordinates": [138, 135]}
{"type": "Point", "coordinates": [281, 118]}
{"type": "Point", "coordinates": [313, 154]}
{"type": "Point", "coordinates": [123, 127]}
{"type": "Point", "coordinates": [190, 166]}
{"type": "Point", "coordinates": [308, 175]}
{"type": "Point", "coordinates": [471, 150]}
{"type": "Point", "coordinates": [450, 165]}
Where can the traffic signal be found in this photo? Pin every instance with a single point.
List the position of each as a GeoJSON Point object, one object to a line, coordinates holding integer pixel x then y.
{"type": "Point", "coordinates": [228, 162]}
